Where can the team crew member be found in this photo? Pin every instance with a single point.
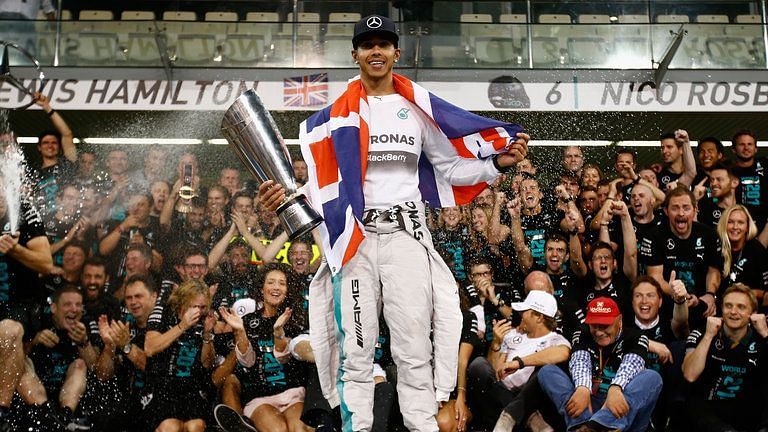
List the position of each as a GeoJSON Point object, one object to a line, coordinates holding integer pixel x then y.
{"type": "Point", "coordinates": [536, 221]}
{"type": "Point", "coordinates": [268, 379]}
{"type": "Point", "coordinates": [22, 257]}
{"type": "Point", "coordinates": [62, 352]}
{"type": "Point", "coordinates": [723, 185]}
{"type": "Point", "coordinates": [689, 248]}
{"type": "Point", "coordinates": [751, 171]}
{"type": "Point", "coordinates": [179, 347]}
{"type": "Point", "coordinates": [451, 239]}
{"type": "Point", "coordinates": [123, 357]}
{"type": "Point", "coordinates": [515, 353]}
{"type": "Point", "coordinates": [608, 387]}
{"type": "Point", "coordinates": [368, 172]}
{"type": "Point", "coordinates": [54, 169]}
{"type": "Point", "coordinates": [743, 252]}
{"type": "Point", "coordinates": [679, 163]}
{"type": "Point", "coordinates": [645, 221]}
{"type": "Point", "coordinates": [725, 362]}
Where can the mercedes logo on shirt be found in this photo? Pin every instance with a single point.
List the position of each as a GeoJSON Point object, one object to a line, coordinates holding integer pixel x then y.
{"type": "Point", "coordinates": [373, 22]}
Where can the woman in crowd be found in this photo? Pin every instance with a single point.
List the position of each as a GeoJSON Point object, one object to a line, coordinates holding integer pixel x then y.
{"type": "Point", "coordinates": [591, 175]}
{"type": "Point", "coordinates": [180, 352]}
{"type": "Point", "coordinates": [743, 253]}
{"type": "Point", "coordinates": [266, 377]}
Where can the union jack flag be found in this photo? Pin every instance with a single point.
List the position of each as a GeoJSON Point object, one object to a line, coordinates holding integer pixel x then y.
{"type": "Point", "coordinates": [305, 91]}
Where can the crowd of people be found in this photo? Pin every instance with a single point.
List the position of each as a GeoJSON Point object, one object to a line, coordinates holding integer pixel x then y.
{"type": "Point", "coordinates": [143, 299]}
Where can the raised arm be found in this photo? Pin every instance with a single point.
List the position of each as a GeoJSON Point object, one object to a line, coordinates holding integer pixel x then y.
{"type": "Point", "coordinates": [524, 256]}
{"type": "Point", "coordinates": [67, 138]}
{"type": "Point", "coordinates": [689, 162]}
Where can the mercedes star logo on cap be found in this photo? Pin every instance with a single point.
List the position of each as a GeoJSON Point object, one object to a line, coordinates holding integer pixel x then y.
{"type": "Point", "coordinates": [373, 22]}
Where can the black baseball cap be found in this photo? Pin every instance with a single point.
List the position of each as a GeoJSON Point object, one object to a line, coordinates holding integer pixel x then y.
{"type": "Point", "coordinates": [375, 25]}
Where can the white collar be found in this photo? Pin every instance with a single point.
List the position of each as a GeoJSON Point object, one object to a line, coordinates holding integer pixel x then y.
{"type": "Point", "coordinates": [642, 326]}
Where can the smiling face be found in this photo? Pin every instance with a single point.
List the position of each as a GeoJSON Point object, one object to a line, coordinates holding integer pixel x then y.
{"type": "Point", "coordinates": [451, 217]}
{"type": "Point", "coordinates": [736, 310]}
{"type": "Point", "coordinates": [681, 211]}
{"type": "Point", "coordinates": [67, 310]}
{"type": "Point", "coordinates": [737, 227]}
{"type": "Point", "coordinates": [300, 255]}
{"type": "Point", "coordinates": [479, 220]}
{"type": "Point", "coordinates": [531, 193]}
{"type": "Point", "coordinates": [49, 147]}
{"type": "Point", "coordinates": [376, 57]}
{"type": "Point", "coordinates": [745, 148]}
{"type": "Point", "coordinates": [721, 183]}
{"type": "Point", "coordinates": [646, 302]}
{"type": "Point", "coordinates": [275, 288]}
{"type": "Point", "coordinates": [708, 154]}
{"type": "Point", "coordinates": [93, 279]}
{"type": "Point", "coordinates": [605, 335]}
{"type": "Point", "coordinates": [590, 177]}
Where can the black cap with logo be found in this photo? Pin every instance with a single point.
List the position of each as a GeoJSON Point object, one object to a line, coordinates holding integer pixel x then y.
{"type": "Point", "coordinates": [375, 25]}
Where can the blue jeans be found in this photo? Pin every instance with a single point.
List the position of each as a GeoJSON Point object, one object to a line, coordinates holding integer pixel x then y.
{"type": "Point", "coordinates": [641, 394]}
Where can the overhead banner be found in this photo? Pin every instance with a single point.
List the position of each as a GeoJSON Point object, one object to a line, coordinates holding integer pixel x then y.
{"type": "Point", "coordinates": [313, 91]}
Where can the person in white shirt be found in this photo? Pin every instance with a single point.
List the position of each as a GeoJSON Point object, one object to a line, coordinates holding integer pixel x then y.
{"type": "Point", "coordinates": [514, 355]}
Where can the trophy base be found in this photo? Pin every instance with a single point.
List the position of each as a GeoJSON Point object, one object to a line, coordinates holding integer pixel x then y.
{"type": "Point", "coordinates": [298, 217]}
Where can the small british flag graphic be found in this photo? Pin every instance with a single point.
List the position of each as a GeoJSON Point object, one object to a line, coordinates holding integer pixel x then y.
{"type": "Point", "coordinates": [306, 91]}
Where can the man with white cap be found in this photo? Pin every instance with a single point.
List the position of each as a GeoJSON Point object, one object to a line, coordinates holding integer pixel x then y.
{"type": "Point", "coordinates": [515, 353]}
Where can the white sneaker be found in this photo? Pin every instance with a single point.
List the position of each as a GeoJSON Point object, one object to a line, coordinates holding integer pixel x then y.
{"type": "Point", "coordinates": [505, 423]}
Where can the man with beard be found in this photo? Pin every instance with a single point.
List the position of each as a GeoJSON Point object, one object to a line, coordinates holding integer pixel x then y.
{"type": "Point", "coordinates": [563, 269]}
{"type": "Point", "coordinates": [723, 185]}
{"type": "Point", "coordinates": [689, 248]}
{"type": "Point", "coordinates": [607, 387]}
{"type": "Point", "coordinates": [96, 300]}
{"type": "Point", "coordinates": [300, 170]}
{"type": "Point", "coordinates": [188, 230]}
{"type": "Point", "coordinates": [679, 164]}
{"type": "Point", "coordinates": [237, 276]}
{"type": "Point", "coordinates": [62, 353]}
{"type": "Point", "coordinates": [726, 365]}
{"type": "Point", "coordinates": [23, 255]}
{"type": "Point", "coordinates": [753, 178]}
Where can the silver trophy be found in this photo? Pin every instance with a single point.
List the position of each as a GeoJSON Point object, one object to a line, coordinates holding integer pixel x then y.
{"type": "Point", "coordinates": [6, 76]}
{"type": "Point", "coordinates": [250, 129]}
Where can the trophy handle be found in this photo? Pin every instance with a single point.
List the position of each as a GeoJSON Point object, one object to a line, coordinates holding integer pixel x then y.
{"type": "Point", "coordinates": [6, 76]}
